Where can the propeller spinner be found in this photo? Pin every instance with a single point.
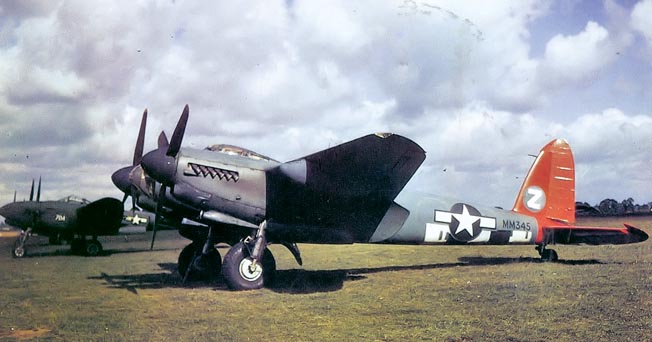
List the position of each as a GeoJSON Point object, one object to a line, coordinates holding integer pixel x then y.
{"type": "Point", "coordinates": [160, 164]}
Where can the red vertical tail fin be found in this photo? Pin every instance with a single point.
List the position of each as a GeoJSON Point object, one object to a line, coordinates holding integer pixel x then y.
{"type": "Point", "coordinates": [548, 192]}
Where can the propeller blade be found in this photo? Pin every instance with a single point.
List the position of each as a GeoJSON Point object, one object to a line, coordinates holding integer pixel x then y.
{"type": "Point", "coordinates": [38, 193]}
{"type": "Point", "coordinates": [157, 217]}
{"type": "Point", "coordinates": [31, 192]}
{"type": "Point", "coordinates": [140, 142]}
{"type": "Point", "coordinates": [14, 196]}
{"type": "Point", "coordinates": [177, 136]}
{"type": "Point", "coordinates": [163, 140]}
{"type": "Point", "coordinates": [133, 202]}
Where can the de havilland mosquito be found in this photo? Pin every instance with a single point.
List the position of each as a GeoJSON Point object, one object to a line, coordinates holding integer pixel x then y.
{"type": "Point", "coordinates": [350, 193]}
{"type": "Point", "coordinates": [72, 219]}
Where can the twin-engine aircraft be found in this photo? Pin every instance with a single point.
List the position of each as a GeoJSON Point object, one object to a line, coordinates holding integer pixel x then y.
{"type": "Point", "coordinates": [348, 194]}
{"type": "Point", "coordinates": [71, 219]}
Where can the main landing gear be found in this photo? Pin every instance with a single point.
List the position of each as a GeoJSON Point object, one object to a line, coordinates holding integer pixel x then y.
{"type": "Point", "coordinates": [80, 245]}
{"type": "Point", "coordinates": [248, 265]}
{"type": "Point", "coordinates": [547, 255]}
{"type": "Point", "coordinates": [200, 260]}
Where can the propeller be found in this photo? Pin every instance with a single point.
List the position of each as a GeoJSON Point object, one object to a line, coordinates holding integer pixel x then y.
{"type": "Point", "coordinates": [121, 177]}
{"type": "Point", "coordinates": [161, 164]}
{"type": "Point", "coordinates": [140, 141]}
{"type": "Point", "coordinates": [38, 193]}
{"type": "Point", "coordinates": [31, 192]}
{"type": "Point", "coordinates": [177, 136]}
{"type": "Point", "coordinates": [157, 216]}
{"type": "Point", "coordinates": [163, 140]}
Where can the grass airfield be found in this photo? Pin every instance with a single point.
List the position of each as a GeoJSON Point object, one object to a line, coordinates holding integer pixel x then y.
{"type": "Point", "coordinates": [342, 293]}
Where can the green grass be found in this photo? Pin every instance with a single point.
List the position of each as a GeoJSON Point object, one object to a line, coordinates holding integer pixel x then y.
{"type": "Point", "coordinates": [342, 293]}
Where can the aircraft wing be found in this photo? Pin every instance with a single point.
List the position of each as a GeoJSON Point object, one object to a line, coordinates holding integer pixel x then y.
{"type": "Point", "coordinates": [593, 235]}
{"type": "Point", "coordinates": [348, 187]}
{"type": "Point", "coordinates": [376, 165]}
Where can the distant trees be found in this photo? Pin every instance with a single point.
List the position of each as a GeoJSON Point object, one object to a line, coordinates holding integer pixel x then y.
{"type": "Point", "coordinates": [611, 207]}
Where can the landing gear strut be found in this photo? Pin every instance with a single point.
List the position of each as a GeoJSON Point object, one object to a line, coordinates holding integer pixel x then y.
{"type": "Point", "coordinates": [82, 246]}
{"type": "Point", "coordinates": [547, 255]}
{"type": "Point", "coordinates": [249, 264]}
{"type": "Point", "coordinates": [19, 246]}
{"type": "Point", "coordinates": [199, 261]}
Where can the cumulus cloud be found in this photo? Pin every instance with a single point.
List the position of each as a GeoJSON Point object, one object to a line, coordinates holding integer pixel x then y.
{"type": "Point", "coordinates": [577, 58]}
{"type": "Point", "coordinates": [288, 78]}
{"type": "Point", "coordinates": [640, 19]}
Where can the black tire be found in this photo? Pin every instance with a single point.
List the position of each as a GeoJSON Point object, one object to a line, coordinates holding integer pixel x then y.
{"type": "Point", "coordinates": [237, 274]}
{"type": "Point", "coordinates": [549, 255]}
{"type": "Point", "coordinates": [207, 266]}
{"type": "Point", "coordinates": [93, 248]}
{"type": "Point", "coordinates": [77, 246]}
{"type": "Point", "coordinates": [54, 239]}
{"type": "Point", "coordinates": [185, 257]}
{"type": "Point", "coordinates": [204, 267]}
{"type": "Point", "coordinates": [18, 251]}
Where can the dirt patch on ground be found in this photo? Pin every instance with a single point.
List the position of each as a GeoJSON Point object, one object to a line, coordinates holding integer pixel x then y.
{"type": "Point", "coordinates": [20, 334]}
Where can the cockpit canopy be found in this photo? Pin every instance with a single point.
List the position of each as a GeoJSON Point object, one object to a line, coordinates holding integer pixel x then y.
{"type": "Point", "coordinates": [238, 151]}
{"type": "Point", "coordinates": [74, 199]}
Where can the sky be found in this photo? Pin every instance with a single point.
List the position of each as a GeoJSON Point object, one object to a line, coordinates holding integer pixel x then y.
{"type": "Point", "coordinates": [480, 86]}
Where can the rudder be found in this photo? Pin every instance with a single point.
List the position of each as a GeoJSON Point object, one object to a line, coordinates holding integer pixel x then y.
{"type": "Point", "coordinates": [548, 192]}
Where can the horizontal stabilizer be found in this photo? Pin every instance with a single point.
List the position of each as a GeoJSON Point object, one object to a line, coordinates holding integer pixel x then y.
{"type": "Point", "coordinates": [594, 235]}
{"type": "Point", "coordinates": [377, 164]}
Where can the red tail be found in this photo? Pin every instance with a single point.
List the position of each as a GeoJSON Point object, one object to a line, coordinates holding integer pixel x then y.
{"type": "Point", "coordinates": [548, 192]}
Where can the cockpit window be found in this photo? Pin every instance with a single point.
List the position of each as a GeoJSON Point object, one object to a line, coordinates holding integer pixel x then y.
{"type": "Point", "coordinates": [74, 199]}
{"type": "Point", "coordinates": [238, 151]}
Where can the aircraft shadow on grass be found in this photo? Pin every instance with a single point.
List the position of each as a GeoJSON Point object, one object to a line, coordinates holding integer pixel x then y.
{"type": "Point", "coordinates": [103, 253]}
{"type": "Point", "coordinates": [300, 281]}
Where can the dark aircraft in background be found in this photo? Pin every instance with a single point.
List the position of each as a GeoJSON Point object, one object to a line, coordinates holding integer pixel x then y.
{"type": "Point", "coordinates": [71, 219]}
{"type": "Point", "coordinates": [348, 194]}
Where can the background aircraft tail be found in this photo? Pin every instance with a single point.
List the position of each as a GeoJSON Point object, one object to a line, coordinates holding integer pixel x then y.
{"type": "Point", "coordinates": [102, 217]}
{"type": "Point", "coordinates": [548, 192]}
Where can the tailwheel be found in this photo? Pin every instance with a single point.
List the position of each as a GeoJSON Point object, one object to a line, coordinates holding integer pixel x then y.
{"type": "Point", "coordinates": [93, 248]}
{"type": "Point", "coordinates": [195, 265]}
{"type": "Point", "coordinates": [242, 273]}
{"type": "Point", "coordinates": [547, 255]}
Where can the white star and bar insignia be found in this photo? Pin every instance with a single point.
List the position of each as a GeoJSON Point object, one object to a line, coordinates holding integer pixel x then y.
{"type": "Point", "coordinates": [464, 221]}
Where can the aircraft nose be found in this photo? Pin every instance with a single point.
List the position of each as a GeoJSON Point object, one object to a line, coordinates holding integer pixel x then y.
{"type": "Point", "coordinates": [3, 211]}
{"type": "Point", "coordinates": [8, 211]}
{"type": "Point", "coordinates": [120, 179]}
{"type": "Point", "coordinates": [160, 166]}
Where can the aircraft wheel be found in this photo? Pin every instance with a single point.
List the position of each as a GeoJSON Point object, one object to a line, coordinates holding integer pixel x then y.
{"type": "Point", "coordinates": [204, 267]}
{"type": "Point", "coordinates": [93, 248]}
{"type": "Point", "coordinates": [18, 251]}
{"type": "Point", "coordinates": [54, 239]}
{"type": "Point", "coordinates": [549, 255]}
{"type": "Point", "coordinates": [207, 266]}
{"type": "Point", "coordinates": [240, 273]}
{"type": "Point", "coordinates": [77, 246]}
{"type": "Point", "coordinates": [185, 257]}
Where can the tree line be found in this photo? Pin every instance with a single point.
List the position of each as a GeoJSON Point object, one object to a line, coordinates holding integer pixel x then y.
{"type": "Point", "coordinates": [611, 207]}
